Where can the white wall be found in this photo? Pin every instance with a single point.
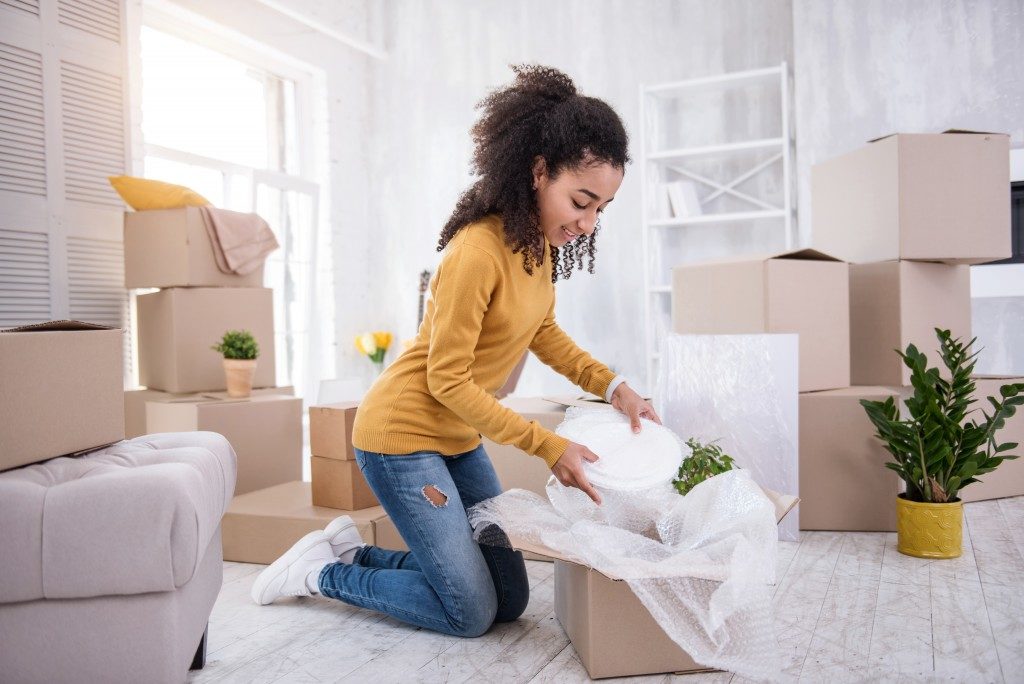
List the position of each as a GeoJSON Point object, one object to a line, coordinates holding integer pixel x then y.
{"type": "Point", "coordinates": [445, 56]}
{"type": "Point", "coordinates": [865, 68]}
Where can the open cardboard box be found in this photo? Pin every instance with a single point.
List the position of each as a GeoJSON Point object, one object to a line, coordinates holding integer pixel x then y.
{"type": "Point", "coordinates": [62, 387]}
{"type": "Point", "coordinates": [611, 630]}
{"type": "Point", "coordinates": [918, 196]}
{"type": "Point", "coordinates": [805, 292]}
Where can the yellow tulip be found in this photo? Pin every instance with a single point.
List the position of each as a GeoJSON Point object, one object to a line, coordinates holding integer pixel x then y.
{"type": "Point", "coordinates": [382, 339]}
{"type": "Point", "coordinates": [367, 344]}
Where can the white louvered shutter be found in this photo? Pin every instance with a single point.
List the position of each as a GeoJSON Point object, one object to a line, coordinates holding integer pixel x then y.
{"type": "Point", "coordinates": [63, 131]}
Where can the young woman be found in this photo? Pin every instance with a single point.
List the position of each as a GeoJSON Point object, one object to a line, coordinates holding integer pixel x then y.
{"type": "Point", "coordinates": [549, 161]}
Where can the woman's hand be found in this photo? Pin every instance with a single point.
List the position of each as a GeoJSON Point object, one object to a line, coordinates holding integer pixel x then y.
{"type": "Point", "coordinates": [633, 405]}
{"type": "Point", "coordinates": [568, 469]}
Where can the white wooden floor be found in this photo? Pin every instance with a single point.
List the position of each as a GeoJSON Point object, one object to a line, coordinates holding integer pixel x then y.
{"type": "Point", "coordinates": [849, 607]}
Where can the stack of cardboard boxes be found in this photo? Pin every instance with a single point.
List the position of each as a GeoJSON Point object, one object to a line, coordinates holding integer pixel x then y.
{"type": "Point", "coordinates": [896, 224]}
{"type": "Point", "coordinates": [177, 326]}
{"type": "Point", "coordinates": [260, 526]}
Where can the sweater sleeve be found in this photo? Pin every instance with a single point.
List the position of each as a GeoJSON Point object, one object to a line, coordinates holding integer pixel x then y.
{"type": "Point", "coordinates": [555, 348]}
{"type": "Point", "coordinates": [466, 279]}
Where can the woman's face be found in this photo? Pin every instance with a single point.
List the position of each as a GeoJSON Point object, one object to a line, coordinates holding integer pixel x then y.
{"type": "Point", "coordinates": [570, 204]}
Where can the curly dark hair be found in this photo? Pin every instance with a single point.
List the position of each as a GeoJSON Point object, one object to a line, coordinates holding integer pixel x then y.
{"type": "Point", "coordinates": [539, 113]}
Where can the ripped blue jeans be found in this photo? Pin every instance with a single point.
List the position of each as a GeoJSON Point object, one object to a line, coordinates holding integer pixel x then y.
{"type": "Point", "coordinates": [446, 581]}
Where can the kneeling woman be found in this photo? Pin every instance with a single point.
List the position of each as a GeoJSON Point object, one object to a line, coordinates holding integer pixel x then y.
{"type": "Point", "coordinates": [549, 161]}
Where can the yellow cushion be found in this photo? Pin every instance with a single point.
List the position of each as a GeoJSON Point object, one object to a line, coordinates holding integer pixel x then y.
{"type": "Point", "coordinates": [142, 193]}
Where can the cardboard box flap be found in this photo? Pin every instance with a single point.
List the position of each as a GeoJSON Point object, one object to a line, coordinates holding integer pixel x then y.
{"type": "Point", "coordinates": [584, 400]}
{"type": "Point", "coordinates": [574, 400]}
{"type": "Point", "coordinates": [964, 131]}
{"type": "Point", "coordinates": [808, 254]}
{"type": "Point", "coordinates": [63, 325]}
{"type": "Point", "coordinates": [783, 503]}
{"type": "Point", "coordinates": [948, 131]}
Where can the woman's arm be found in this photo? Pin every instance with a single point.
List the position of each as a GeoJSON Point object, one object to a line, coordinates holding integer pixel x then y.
{"type": "Point", "coordinates": [556, 349]}
{"type": "Point", "coordinates": [466, 279]}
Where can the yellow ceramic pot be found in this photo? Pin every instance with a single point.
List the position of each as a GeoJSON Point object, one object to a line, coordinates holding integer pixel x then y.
{"type": "Point", "coordinates": [929, 530]}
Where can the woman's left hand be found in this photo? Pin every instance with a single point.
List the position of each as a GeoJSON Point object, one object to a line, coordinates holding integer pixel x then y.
{"type": "Point", "coordinates": [633, 405]}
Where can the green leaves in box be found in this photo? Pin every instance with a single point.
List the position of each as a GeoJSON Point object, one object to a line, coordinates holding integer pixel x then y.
{"type": "Point", "coordinates": [705, 461]}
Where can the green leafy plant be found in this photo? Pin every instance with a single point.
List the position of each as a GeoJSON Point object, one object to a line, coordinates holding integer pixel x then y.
{"type": "Point", "coordinates": [238, 344]}
{"type": "Point", "coordinates": [706, 460]}
{"type": "Point", "coordinates": [936, 451]}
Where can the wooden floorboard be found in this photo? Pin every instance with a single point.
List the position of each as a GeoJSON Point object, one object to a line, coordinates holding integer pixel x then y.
{"type": "Point", "coordinates": [848, 608]}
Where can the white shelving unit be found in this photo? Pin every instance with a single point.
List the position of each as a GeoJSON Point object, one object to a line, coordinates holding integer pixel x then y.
{"type": "Point", "coordinates": [663, 162]}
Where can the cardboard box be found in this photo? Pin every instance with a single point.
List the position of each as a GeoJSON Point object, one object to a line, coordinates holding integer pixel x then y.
{"type": "Point", "coordinates": [330, 430]}
{"type": "Point", "coordinates": [804, 292]}
{"type": "Point", "coordinates": [62, 384]}
{"type": "Point", "coordinates": [1008, 478]}
{"type": "Point", "coordinates": [340, 484]}
{"type": "Point", "coordinates": [178, 327]}
{"type": "Point", "coordinates": [933, 197]}
{"type": "Point", "coordinates": [260, 526]}
{"type": "Point", "coordinates": [895, 303]}
{"type": "Point", "coordinates": [265, 431]}
{"type": "Point", "coordinates": [613, 633]}
{"type": "Point", "coordinates": [171, 248]}
{"type": "Point", "coordinates": [387, 534]}
{"type": "Point", "coordinates": [135, 404]}
{"type": "Point", "coordinates": [844, 484]}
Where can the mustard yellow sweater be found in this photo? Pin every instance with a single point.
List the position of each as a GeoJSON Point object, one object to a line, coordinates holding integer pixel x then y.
{"type": "Point", "coordinates": [483, 313]}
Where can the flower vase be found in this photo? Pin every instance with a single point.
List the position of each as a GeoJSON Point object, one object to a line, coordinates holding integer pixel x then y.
{"type": "Point", "coordinates": [378, 367]}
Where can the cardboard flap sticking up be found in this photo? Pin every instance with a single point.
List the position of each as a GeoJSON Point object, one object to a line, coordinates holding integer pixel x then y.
{"type": "Point", "coordinates": [59, 325]}
{"type": "Point", "coordinates": [584, 400]}
{"type": "Point", "coordinates": [948, 131]}
{"type": "Point", "coordinates": [807, 254]}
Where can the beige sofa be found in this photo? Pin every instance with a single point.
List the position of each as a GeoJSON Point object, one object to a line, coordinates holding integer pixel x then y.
{"type": "Point", "coordinates": [110, 562]}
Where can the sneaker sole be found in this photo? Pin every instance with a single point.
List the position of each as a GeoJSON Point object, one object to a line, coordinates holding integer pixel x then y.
{"type": "Point", "coordinates": [281, 565]}
{"type": "Point", "coordinates": [337, 527]}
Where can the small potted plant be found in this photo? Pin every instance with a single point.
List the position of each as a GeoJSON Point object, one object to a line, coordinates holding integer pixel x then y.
{"type": "Point", "coordinates": [240, 352]}
{"type": "Point", "coordinates": [704, 461]}
{"type": "Point", "coordinates": [936, 450]}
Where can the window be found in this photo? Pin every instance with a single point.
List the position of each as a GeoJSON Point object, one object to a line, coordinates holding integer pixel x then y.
{"type": "Point", "coordinates": [227, 124]}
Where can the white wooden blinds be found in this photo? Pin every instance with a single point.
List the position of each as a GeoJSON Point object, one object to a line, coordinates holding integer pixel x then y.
{"type": "Point", "coordinates": [63, 131]}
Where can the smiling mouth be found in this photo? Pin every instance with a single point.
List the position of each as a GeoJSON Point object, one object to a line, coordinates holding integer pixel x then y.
{"type": "Point", "coordinates": [569, 236]}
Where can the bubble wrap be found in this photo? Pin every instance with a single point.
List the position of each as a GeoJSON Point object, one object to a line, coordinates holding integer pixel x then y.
{"type": "Point", "coordinates": [702, 564]}
{"type": "Point", "coordinates": [742, 392]}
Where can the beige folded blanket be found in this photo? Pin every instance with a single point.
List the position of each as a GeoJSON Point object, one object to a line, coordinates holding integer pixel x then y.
{"type": "Point", "coordinates": [241, 242]}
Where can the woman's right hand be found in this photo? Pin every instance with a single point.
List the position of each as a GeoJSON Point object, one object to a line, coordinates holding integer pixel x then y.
{"type": "Point", "coordinates": [568, 469]}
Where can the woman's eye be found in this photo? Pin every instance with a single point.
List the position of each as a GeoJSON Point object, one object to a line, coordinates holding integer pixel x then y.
{"type": "Point", "coordinates": [578, 205]}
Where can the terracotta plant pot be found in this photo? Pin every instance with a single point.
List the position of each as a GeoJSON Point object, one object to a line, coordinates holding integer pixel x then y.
{"type": "Point", "coordinates": [239, 373]}
{"type": "Point", "coordinates": [929, 530]}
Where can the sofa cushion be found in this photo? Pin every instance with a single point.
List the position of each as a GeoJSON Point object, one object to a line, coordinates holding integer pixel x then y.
{"type": "Point", "coordinates": [132, 518]}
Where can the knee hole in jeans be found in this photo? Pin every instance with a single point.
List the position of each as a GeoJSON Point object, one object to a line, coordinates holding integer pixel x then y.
{"type": "Point", "coordinates": [435, 496]}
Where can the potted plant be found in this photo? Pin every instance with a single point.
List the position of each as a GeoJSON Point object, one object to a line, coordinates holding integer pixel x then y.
{"type": "Point", "coordinates": [704, 461]}
{"type": "Point", "coordinates": [936, 450]}
{"type": "Point", "coordinates": [240, 351]}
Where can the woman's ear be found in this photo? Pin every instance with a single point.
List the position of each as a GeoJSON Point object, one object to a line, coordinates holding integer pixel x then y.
{"type": "Point", "coordinates": [540, 172]}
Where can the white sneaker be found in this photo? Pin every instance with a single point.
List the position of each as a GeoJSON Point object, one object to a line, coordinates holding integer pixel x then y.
{"type": "Point", "coordinates": [297, 572]}
{"type": "Point", "coordinates": [344, 538]}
